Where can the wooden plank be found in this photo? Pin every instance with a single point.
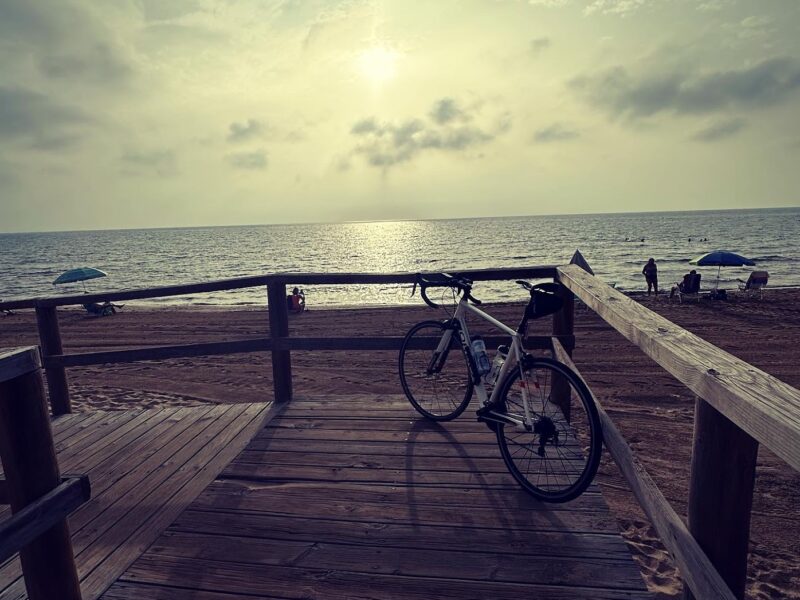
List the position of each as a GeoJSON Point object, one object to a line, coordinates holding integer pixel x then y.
{"type": "Point", "coordinates": [31, 470]}
{"type": "Point", "coordinates": [283, 582]}
{"type": "Point", "coordinates": [42, 514]}
{"type": "Point", "coordinates": [18, 361]}
{"type": "Point", "coordinates": [534, 272]}
{"type": "Point", "coordinates": [255, 345]}
{"type": "Point", "coordinates": [189, 480]}
{"type": "Point", "coordinates": [423, 526]}
{"type": "Point", "coordinates": [721, 487]}
{"type": "Point", "coordinates": [113, 470]}
{"type": "Point", "coordinates": [695, 567]}
{"type": "Point", "coordinates": [87, 436]}
{"type": "Point", "coordinates": [279, 330]}
{"type": "Point", "coordinates": [549, 565]}
{"type": "Point", "coordinates": [50, 344]}
{"type": "Point", "coordinates": [760, 404]}
{"type": "Point", "coordinates": [255, 496]}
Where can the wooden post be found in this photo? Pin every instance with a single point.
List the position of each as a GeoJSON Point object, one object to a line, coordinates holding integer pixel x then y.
{"type": "Point", "coordinates": [31, 471]}
{"type": "Point", "coordinates": [564, 325]}
{"type": "Point", "coordinates": [279, 329]}
{"type": "Point", "coordinates": [50, 338]}
{"type": "Point", "coordinates": [721, 493]}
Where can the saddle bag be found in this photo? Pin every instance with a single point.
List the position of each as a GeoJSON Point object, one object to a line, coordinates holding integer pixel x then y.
{"type": "Point", "coordinates": [543, 301]}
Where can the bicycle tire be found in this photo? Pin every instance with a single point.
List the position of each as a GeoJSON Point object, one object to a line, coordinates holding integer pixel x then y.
{"type": "Point", "coordinates": [440, 393]}
{"type": "Point", "coordinates": [561, 467]}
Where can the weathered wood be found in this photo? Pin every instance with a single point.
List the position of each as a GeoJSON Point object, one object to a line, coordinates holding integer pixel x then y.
{"type": "Point", "coordinates": [279, 328]}
{"type": "Point", "coordinates": [564, 325]}
{"type": "Point", "coordinates": [145, 469]}
{"type": "Point", "coordinates": [42, 514]}
{"type": "Point", "coordinates": [534, 272]}
{"type": "Point", "coordinates": [721, 494]}
{"type": "Point", "coordinates": [549, 565]}
{"type": "Point", "coordinates": [260, 345]}
{"type": "Point", "coordinates": [31, 471]}
{"type": "Point", "coordinates": [50, 339]}
{"type": "Point", "coordinates": [283, 581]}
{"type": "Point", "coordinates": [18, 361]}
{"type": "Point", "coordinates": [760, 404]}
{"type": "Point", "coordinates": [696, 569]}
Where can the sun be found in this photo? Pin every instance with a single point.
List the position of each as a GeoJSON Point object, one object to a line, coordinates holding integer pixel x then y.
{"type": "Point", "coordinates": [378, 64]}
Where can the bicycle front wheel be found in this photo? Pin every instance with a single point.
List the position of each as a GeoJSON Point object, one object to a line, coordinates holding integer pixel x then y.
{"type": "Point", "coordinates": [556, 457]}
{"type": "Point", "coordinates": [437, 384]}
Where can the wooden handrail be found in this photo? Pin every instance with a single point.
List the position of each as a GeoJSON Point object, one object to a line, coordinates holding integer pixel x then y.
{"type": "Point", "coordinates": [372, 343]}
{"type": "Point", "coordinates": [534, 272]}
{"type": "Point", "coordinates": [762, 405]}
{"type": "Point", "coordinates": [695, 567]}
{"type": "Point", "coordinates": [38, 527]}
{"type": "Point", "coordinates": [42, 514]}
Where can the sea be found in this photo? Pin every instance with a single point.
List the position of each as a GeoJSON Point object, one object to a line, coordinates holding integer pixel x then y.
{"type": "Point", "coordinates": [615, 245]}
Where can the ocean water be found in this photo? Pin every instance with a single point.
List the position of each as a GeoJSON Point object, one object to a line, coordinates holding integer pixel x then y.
{"type": "Point", "coordinates": [615, 245]}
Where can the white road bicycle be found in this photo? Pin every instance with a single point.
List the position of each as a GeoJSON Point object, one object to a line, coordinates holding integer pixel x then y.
{"type": "Point", "coordinates": [544, 417]}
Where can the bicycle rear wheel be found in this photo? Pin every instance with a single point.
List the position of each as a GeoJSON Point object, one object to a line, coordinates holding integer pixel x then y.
{"type": "Point", "coordinates": [439, 386]}
{"type": "Point", "coordinates": [556, 459]}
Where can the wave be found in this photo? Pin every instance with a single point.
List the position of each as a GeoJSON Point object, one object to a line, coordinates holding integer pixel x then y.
{"type": "Point", "coordinates": [771, 257]}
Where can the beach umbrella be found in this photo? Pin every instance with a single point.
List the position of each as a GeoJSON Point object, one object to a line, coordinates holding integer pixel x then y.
{"type": "Point", "coordinates": [719, 259]}
{"type": "Point", "coordinates": [79, 274]}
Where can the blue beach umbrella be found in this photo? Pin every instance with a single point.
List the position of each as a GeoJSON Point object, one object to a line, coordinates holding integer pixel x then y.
{"type": "Point", "coordinates": [79, 274]}
{"type": "Point", "coordinates": [721, 258]}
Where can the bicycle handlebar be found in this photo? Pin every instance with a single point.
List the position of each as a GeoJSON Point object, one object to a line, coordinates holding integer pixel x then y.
{"type": "Point", "coordinates": [462, 284]}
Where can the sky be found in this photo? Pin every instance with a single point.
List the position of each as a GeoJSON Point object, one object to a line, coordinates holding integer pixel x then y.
{"type": "Point", "coordinates": [156, 113]}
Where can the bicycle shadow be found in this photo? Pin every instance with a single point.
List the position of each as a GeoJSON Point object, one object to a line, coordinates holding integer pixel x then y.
{"type": "Point", "coordinates": [486, 495]}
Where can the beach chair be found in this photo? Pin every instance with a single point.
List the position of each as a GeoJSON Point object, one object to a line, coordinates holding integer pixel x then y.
{"type": "Point", "coordinates": [755, 284]}
{"type": "Point", "coordinates": [691, 291]}
{"type": "Point", "coordinates": [102, 310]}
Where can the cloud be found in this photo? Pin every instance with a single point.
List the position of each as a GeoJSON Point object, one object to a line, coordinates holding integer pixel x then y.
{"type": "Point", "coordinates": [250, 161]}
{"type": "Point", "coordinates": [548, 3]}
{"type": "Point", "coordinates": [623, 95]}
{"type": "Point", "coordinates": [450, 128]}
{"type": "Point", "coordinates": [720, 130]}
{"type": "Point", "coordinates": [614, 7]}
{"type": "Point", "coordinates": [160, 162]}
{"type": "Point", "coordinates": [98, 64]}
{"type": "Point", "coordinates": [554, 133]}
{"type": "Point", "coordinates": [539, 45]}
{"type": "Point", "coordinates": [446, 110]}
{"type": "Point", "coordinates": [34, 119]}
{"type": "Point", "coordinates": [713, 5]}
{"type": "Point", "coordinates": [65, 41]}
{"type": "Point", "coordinates": [242, 132]}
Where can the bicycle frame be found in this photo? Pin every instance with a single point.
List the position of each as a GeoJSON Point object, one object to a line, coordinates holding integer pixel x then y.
{"type": "Point", "coordinates": [515, 354]}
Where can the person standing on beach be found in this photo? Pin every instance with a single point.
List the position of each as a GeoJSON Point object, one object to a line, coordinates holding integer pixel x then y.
{"type": "Point", "coordinates": [650, 272]}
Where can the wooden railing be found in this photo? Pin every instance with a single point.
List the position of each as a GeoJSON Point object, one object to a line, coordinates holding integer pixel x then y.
{"type": "Point", "coordinates": [279, 343]}
{"type": "Point", "coordinates": [737, 407]}
{"type": "Point", "coordinates": [40, 501]}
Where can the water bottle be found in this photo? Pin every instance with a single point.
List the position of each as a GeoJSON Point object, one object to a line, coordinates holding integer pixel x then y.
{"type": "Point", "coordinates": [497, 363]}
{"type": "Point", "coordinates": [480, 356]}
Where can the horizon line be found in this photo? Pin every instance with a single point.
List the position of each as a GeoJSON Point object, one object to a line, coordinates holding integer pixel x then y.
{"type": "Point", "coordinates": [408, 220]}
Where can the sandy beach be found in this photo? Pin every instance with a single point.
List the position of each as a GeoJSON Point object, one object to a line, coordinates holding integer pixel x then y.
{"type": "Point", "coordinates": [653, 410]}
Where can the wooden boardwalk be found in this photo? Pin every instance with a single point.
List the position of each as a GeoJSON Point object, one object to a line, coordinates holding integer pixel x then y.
{"type": "Point", "coordinates": [145, 466]}
{"type": "Point", "coordinates": [358, 498]}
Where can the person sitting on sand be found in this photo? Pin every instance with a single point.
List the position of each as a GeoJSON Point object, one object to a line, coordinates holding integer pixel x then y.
{"type": "Point", "coordinates": [689, 285]}
{"type": "Point", "coordinates": [650, 272]}
{"type": "Point", "coordinates": [297, 301]}
{"type": "Point", "coordinates": [102, 310]}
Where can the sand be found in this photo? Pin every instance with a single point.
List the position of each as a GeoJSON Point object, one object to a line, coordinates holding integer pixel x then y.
{"type": "Point", "coordinates": [654, 411]}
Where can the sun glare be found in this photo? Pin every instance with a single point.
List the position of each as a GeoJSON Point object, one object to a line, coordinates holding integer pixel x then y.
{"type": "Point", "coordinates": [378, 64]}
